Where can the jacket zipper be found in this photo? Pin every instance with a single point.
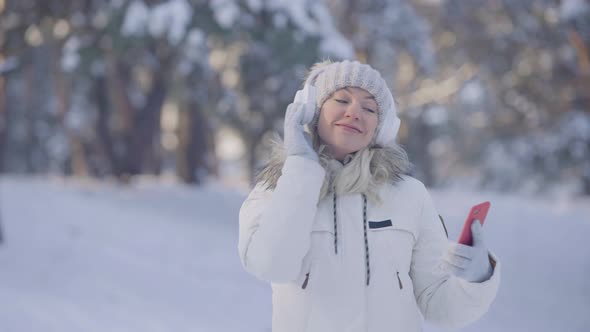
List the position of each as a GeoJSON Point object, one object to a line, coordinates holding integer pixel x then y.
{"type": "Point", "coordinates": [400, 281]}
{"type": "Point", "coordinates": [304, 286]}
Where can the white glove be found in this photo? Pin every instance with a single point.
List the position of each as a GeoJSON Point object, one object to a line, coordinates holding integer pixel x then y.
{"type": "Point", "coordinates": [297, 141]}
{"type": "Point", "coordinates": [470, 263]}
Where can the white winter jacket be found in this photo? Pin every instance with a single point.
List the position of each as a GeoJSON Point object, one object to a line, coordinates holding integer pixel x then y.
{"type": "Point", "coordinates": [349, 265]}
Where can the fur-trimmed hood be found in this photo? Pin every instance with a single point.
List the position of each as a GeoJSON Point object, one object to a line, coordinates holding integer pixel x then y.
{"type": "Point", "coordinates": [360, 172]}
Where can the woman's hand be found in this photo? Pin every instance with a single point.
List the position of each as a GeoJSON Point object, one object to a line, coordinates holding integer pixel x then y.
{"type": "Point", "coordinates": [471, 263]}
{"type": "Point", "coordinates": [297, 141]}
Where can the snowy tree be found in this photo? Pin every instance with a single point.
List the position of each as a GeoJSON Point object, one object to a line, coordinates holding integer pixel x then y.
{"type": "Point", "coordinates": [393, 36]}
{"type": "Point", "coordinates": [529, 62]}
{"type": "Point", "coordinates": [31, 38]}
{"type": "Point", "coordinates": [135, 55]}
{"type": "Point", "coordinates": [492, 92]}
{"type": "Point", "coordinates": [263, 58]}
{"type": "Point", "coordinates": [505, 72]}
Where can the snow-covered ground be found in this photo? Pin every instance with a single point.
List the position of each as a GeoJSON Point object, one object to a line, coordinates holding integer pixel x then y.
{"type": "Point", "coordinates": [84, 256]}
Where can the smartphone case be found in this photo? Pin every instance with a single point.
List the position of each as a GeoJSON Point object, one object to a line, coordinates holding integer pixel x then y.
{"type": "Point", "coordinates": [479, 212]}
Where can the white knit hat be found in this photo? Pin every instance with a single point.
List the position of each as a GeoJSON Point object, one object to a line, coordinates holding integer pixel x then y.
{"type": "Point", "coordinates": [327, 78]}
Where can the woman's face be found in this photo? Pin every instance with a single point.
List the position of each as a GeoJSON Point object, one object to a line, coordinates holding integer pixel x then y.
{"type": "Point", "coordinates": [347, 121]}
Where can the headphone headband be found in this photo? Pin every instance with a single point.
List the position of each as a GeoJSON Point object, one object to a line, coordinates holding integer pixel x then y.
{"type": "Point", "coordinates": [314, 75]}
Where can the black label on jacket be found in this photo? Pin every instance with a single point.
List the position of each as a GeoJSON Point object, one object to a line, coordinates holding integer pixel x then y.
{"type": "Point", "coordinates": [380, 224]}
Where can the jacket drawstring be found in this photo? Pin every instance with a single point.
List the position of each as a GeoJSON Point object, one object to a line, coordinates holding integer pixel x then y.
{"type": "Point", "coordinates": [335, 225]}
{"type": "Point", "coordinates": [367, 259]}
{"type": "Point", "coordinates": [366, 239]}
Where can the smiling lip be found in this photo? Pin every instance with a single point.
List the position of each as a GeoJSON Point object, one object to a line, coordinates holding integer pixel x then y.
{"type": "Point", "coordinates": [350, 127]}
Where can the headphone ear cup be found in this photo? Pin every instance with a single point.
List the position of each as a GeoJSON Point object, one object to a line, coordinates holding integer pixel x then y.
{"type": "Point", "coordinates": [307, 96]}
{"type": "Point", "coordinates": [388, 131]}
{"type": "Point", "coordinates": [309, 113]}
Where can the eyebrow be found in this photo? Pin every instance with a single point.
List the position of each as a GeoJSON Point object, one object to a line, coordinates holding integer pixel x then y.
{"type": "Point", "coordinates": [370, 96]}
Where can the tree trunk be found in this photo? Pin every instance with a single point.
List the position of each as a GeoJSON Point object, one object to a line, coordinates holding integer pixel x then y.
{"type": "Point", "coordinates": [62, 88]}
{"type": "Point", "coordinates": [103, 132]}
{"type": "Point", "coordinates": [147, 127]}
{"type": "Point", "coordinates": [586, 178]}
{"type": "Point", "coordinates": [252, 145]}
{"type": "Point", "coordinates": [252, 162]}
{"type": "Point", "coordinates": [194, 135]}
{"type": "Point", "coordinates": [1, 233]}
{"type": "Point", "coordinates": [29, 101]}
{"type": "Point", "coordinates": [3, 124]}
{"type": "Point", "coordinates": [185, 156]}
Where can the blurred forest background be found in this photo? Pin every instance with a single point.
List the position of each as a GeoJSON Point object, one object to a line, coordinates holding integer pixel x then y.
{"type": "Point", "coordinates": [493, 94]}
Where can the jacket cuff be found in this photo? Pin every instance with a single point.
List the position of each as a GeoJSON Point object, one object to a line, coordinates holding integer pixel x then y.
{"type": "Point", "coordinates": [486, 290]}
{"type": "Point", "coordinates": [304, 166]}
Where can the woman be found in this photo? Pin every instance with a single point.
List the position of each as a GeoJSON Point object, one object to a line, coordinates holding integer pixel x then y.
{"type": "Point", "coordinates": [347, 240]}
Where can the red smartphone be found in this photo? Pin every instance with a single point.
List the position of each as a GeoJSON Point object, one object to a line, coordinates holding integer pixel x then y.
{"type": "Point", "coordinates": [479, 212]}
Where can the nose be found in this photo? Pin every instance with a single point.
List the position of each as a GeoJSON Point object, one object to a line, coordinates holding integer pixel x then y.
{"type": "Point", "coordinates": [353, 110]}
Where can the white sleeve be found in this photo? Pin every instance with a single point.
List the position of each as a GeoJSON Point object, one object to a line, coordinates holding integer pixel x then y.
{"type": "Point", "coordinates": [275, 226]}
{"type": "Point", "coordinates": [443, 299]}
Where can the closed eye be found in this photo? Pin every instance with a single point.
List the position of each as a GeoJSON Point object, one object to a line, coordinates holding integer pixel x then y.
{"type": "Point", "coordinates": [341, 101]}
{"type": "Point", "coordinates": [370, 110]}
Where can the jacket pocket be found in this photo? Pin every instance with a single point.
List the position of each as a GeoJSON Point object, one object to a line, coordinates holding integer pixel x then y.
{"type": "Point", "coordinates": [323, 239]}
{"type": "Point", "coordinates": [305, 281]}
{"type": "Point", "coordinates": [393, 243]}
{"type": "Point", "coordinates": [399, 226]}
{"type": "Point", "coordinates": [401, 285]}
{"type": "Point", "coordinates": [321, 245]}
